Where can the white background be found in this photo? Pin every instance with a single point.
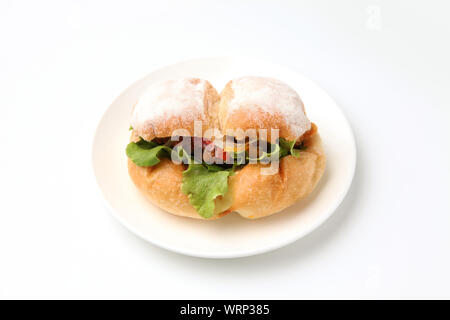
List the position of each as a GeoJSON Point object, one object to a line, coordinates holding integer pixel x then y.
{"type": "Point", "coordinates": [387, 65]}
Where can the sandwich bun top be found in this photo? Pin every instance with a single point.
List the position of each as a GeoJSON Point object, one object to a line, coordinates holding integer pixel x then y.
{"type": "Point", "coordinates": [245, 103]}
{"type": "Point", "coordinates": [262, 103]}
{"type": "Point", "coordinates": [175, 104]}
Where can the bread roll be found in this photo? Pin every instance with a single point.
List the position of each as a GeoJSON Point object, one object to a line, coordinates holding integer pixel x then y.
{"type": "Point", "coordinates": [245, 103]}
{"type": "Point", "coordinates": [175, 104]}
{"type": "Point", "coordinates": [262, 103]}
{"type": "Point", "coordinates": [161, 184]}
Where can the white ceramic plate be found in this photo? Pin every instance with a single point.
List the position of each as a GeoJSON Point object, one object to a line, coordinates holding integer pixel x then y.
{"type": "Point", "coordinates": [231, 236]}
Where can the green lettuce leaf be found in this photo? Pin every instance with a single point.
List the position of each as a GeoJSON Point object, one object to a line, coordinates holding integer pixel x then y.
{"type": "Point", "coordinates": [287, 147]}
{"type": "Point", "coordinates": [266, 156]}
{"type": "Point", "coordinates": [146, 154]}
{"type": "Point", "coordinates": [213, 167]}
{"type": "Point", "coordinates": [202, 186]}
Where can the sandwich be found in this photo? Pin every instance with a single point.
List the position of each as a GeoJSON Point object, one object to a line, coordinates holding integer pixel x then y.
{"type": "Point", "coordinates": [250, 150]}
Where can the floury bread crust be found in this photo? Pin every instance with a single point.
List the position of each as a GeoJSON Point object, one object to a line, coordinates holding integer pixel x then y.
{"type": "Point", "coordinates": [250, 193]}
{"type": "Point", "coordinates": [262, 103]}
{"type": "Point", "coordinates": [175, 104]}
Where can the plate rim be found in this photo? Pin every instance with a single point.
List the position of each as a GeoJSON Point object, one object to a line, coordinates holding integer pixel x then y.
{"type": "Point", "coordinates": [238, 254]}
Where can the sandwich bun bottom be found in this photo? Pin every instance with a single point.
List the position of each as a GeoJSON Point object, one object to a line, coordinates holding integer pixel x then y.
{"type": "Point", "coordinates": [250, 194]}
